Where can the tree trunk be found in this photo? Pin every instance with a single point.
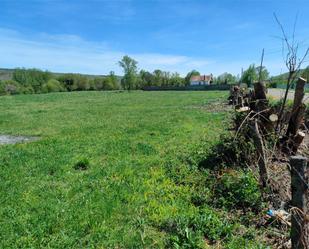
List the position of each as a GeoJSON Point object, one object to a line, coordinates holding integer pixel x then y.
{"type": "Point", "coordinates": [297, 140]}
{"type": "Point", "coordinates": [298, 110]}
{"type": "Point", "coordinates": [259, 144]}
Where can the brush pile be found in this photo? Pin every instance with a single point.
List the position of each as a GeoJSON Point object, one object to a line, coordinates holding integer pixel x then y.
{"type": "Point", "coordinates": [276, 132]}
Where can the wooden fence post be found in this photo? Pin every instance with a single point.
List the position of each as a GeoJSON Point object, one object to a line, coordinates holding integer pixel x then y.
{"type": "Point", "coordinates": [299, 185]}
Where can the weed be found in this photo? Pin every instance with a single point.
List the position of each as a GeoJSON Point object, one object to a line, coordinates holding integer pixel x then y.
{"type": "Point", "coordinates": [82, 164]}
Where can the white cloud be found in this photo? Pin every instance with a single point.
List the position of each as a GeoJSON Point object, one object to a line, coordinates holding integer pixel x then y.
{"type": "Point", "coordinates": [70, 53]}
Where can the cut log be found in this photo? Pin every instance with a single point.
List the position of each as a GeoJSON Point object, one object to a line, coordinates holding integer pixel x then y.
{"type": "Point", "coordinates": [259, 90]}
{"type": "Point", "coordinates": [243, 109]}
{"type": "Point", "coordinates": [297, 140]}
{"type": "Point", "coordinates": [299, 92]}
{"type": "Point", "coordinates": [296, 119]}
{"type": "Point", "coordinates": [240, 101]}
{"type": "Point", "coordinates": [261, 102]}
{"type": "Point", "coordinates": [299, 108]}
{"type": "Point", "coordinates": [273, 118]}
{"type": "Point", "coordinates": [259, 144]}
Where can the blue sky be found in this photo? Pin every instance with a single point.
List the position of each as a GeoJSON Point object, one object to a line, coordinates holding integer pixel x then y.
{"type": "Point", "coordinates": [90, 36]}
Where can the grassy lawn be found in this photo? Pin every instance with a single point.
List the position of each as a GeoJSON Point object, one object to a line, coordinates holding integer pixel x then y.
{"type": "Point", "coordinates": [140, 174]}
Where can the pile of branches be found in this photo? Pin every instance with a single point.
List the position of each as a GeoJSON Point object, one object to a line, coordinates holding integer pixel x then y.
{"type": "Point", "coordinates": [277, 133]}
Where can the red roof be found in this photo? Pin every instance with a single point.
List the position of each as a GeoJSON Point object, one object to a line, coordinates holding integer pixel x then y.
{"type": "Point", "coordinates": [201, 78]}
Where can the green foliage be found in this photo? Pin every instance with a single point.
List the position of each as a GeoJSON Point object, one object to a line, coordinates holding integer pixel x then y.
{"type": "Point", "coordinates": [33, 78]}
{"type": "Point", "coordinates": [109, 82]}
{"type": "Point", "coordinates": [226, 78]}
{"type": "Point", "coordinates": [52, 86]}
{"type": "Point", "coordinates": [145, 78]}
{"type": "Point", "coordinates": [125, 196]}
{"type": "Point", "coordinates": [82, 164]}
{"type": "Point", "coordinates": [272, 84]}
{"type": "Point", "coordinates": [189, 75]}
{"type": "Point", "coordinates": [27, 81]}
{"type": "Point", "coordinates": [276, 103]}
{"type": "Point", "coordinates": [237, 189]}
{"type": "Point", "coordinates": [143, 188]}
{"type": "Point", "coordinates": [129, 67]}
{"type": "Point", "coordinates": [74, 82]}
{"type": "Point", "coordinates": [251, 75]}
{"type": "Point", "coordinates": [159, 78]}
{"type": "Point", "coordinates": [238, 242]}
{"type": "Point", "coordinates": [10, 87]}
{"type": "Point", "coordinates": [189, 231]}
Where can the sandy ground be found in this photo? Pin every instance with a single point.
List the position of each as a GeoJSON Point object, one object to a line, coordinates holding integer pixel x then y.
{"type": "Point", "coordinates": [279, 93]}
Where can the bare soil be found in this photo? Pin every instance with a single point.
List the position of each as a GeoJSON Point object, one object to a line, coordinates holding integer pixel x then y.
{"type": "Point", "coordinates": [8, 139]}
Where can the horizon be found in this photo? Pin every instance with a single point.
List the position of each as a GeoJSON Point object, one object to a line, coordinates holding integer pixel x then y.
{"type": "Point", "coordinates": [175, 37]}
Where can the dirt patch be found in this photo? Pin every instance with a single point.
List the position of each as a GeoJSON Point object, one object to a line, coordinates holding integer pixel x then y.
{"type": "Point", "coordinates": [8, 139]}
{"type": "Point", "coordinates": [212, 107]}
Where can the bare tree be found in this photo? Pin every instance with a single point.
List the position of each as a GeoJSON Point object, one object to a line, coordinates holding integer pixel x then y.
{"type": "Point", "coordinates": [293, 62]}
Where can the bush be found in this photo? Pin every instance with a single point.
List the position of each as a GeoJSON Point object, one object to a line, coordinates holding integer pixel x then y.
{"type": "Point", "coordinates": [52, 86]}
{"type": "Point", "coordinates": [271, 85]}
{"type": "Point", "coordinates": [189, 231]}
{"type": "Point", "coordinates": [237, 189]}
{"type": "Point", "coordinates": [106, 83]}
{"type": "Point", "coordinates": [82, 164]}
{"type": "Point", "coordinates": [74, 82]}
{"type": "Point", "coordinates": [33, 78]}
{"type": "Point", "coordinates": [10, 87]}
{"type": "Point", "coordinates": [27, 90]}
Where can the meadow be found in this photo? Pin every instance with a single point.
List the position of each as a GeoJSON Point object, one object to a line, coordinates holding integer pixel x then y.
{"type": "Point", "coordinates": [111, 170]}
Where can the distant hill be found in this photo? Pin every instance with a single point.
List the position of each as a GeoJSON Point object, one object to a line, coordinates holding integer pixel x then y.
{"type": "Point", "coordinates": [6, 74]}
{"type": "Point", "coordinates": [284, 76]}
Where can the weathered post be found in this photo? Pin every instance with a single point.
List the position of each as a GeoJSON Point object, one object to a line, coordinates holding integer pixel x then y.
{"type": "Point", "coordinates": [262, 162]}
{"type": "Point", "coordinates": [299, 186]}
{"type": "Point", "coordinates": [299, 108]}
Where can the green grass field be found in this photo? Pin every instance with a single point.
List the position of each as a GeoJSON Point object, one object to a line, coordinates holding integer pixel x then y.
{"type": "Point", "coordinates": [142, 147]}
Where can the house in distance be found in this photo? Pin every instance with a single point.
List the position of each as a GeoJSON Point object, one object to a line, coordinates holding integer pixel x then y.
{"type": "Point", "coordinates": [201, 80]}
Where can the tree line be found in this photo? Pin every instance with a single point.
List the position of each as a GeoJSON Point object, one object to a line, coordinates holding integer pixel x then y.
{"type": "Point", "coordinates": [136, 80]}
{"type": "Point", "coordinates": [37, 81]}
{"type": "Point", "coordinates": [27, 81]}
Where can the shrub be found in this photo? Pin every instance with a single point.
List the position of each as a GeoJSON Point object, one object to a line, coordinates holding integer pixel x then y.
{"type": "Point", "coordinates": [106, 83]}
{"type": "Point", "coordinates": [237, 189]}
{"type": "Point", "coordinates": [189, 231]}
{"type": "Point", "coordinates": [74, 82]}
{"type": "Point", "coordinates": [52, 86]}
{"type": "Point", "coordinates": [82, 164]}
{"type": "Point", "coordinates": [10, 87]}
{"type": "Point", "coordinates": [31, 78]}
{"type": "Point", "coordinates": [271, 85]}
{"type": "Point", "coordinates": [27, 90]}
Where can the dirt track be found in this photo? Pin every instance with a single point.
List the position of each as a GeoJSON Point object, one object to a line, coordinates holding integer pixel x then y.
{"type": "Point", "coordinates": [279, 93]}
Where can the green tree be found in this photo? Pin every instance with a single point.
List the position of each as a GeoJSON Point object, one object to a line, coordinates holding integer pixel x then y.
{"type": "Point", "coordinates": [31, 78]}
{"type": "Point", "coordinates": [145, 78]}
{"type": "Point", "coordinates": [176, 80]}
{"type": "Point", "coordinates": [226, 78]}
{"type": "Point", "coordinates": [264, 73]}
{"type": "Point", "coordinates": [113, 80]}
{"type": "Point", "coordinates": [157, 78]}
{"type": "Point", "coordinates": [129, 67]}
{"type": "Point", "coordinates": [189, 75]}
{"type": "Point", "coordinates": [252, 74]}
{"type": "Point", "coordinates": [249, 75]}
